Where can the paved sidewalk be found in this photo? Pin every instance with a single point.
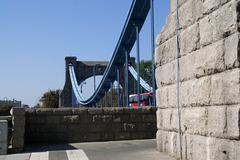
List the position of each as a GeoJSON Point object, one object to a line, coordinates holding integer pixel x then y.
{"type": "Point", "coordinates": [116, 150]}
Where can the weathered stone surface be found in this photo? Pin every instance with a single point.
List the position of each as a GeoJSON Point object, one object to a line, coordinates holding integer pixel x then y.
{"type": "Point", "coordinates": [167, 74]}
{"type": "Point", "coordinates": [190, 39]}
{"type": "Point", "coordinates": [166, 119]}
{"type": "Point", "coordinates": [44, 111]}
{"type": "Point", "coordinates": [148, 118]}
{"type": "Point", "coordinates": [231, 56]}
{"type": "Point", "coordinates": [187, 67]}
{"type": "Point", "coordinates": [18, 120]}
{"type": "Point", "coordinates": [62, 111]}
{"type": "Point", "coordinates": [224, 21]}
{"type": "Point", "coordinates": [32, 119]}
{"type": "Point", "coordinates": [99, 125]}
{"type": "Point", "coordinates": [173, 4]}
{"type": "Point", "coordinates": [168, 30]}
{"type": "Point", "coordinates": [194, 120]}
{"type": "Point", "coordinates": [187, 14]}
{"type": "Point", "coordinates": [196, 92]}
{"type": "Point", "coordinates": [220, 149]}
{"type": "Point", "coordinates": [95, 110]}
{"type": "Point", "coordinates": [233, 122]}
{"type": "Point", "coordinates": [166, 52]}
{"type": "Point", "coordinates": [206, 30]}
{"type": "Point", "coordinates": [15, 111]}
{"type": "Point", "coordinates": [70, 119]}
{"type": "Point", "coordinates": [217, 121]}
{"type": "Point", "coordinates": [210, 80]}
{"type": "Point", "coordinates": [220, 23]}
{"type": "Point", "coordinates": [197, 147]}
{"type": "Point", "coordinates": [211, 5]}
{"type": "Point", "coordinates": [162, 97]}
{"type": "Point", "coordinates": [166, 96]}
{"type": "Point", "coordinates": [236, 150]}
{"type": "Point", "coordinates": [3, 131]}
{"type": "Point", "coordinates": [159, 118]}
{"type": "Point", "coordinates": [79, 111]}
{"type": "Point", "coordinates": [53, 119]}
{"type": "Point", "coordinates": [209, 59]}
{"type": "Point", "coordinates": [225, 88]}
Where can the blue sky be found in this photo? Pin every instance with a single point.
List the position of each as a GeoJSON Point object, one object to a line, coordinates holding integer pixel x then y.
{"type": "Point", "coordinates": [35, 37]}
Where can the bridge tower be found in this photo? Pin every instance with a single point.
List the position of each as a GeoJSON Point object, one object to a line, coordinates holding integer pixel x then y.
{"type": "Point", "coordinates": [83, 71]}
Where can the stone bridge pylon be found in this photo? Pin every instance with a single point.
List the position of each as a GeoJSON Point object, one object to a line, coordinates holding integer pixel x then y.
{"type": "Point", "coordinates": [209, 81]}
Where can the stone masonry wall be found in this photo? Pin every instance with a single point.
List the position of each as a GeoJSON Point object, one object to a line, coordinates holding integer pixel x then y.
{"type": "Point", "coordinates": [93, 124]}
{"type": "Point", "coordinates": [210, 80]}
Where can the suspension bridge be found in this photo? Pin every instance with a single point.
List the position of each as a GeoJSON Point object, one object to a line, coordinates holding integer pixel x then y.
{"type": "Point", "coordinates": [137, 15]}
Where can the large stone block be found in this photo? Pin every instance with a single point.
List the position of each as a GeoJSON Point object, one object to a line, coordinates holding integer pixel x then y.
{"type": "Point", "coordinates": [159, 140]}
{"type": "Point", "coordinates": [166, 74]}
{"type": "Point", "coordinates": [210, 59]}
{"type": "Point", "coordinates": [3, 131]}
{"type": "Point", "coordinates": [166, 52]}
{"type": "Point", "coordinates": [166, 96]}
{"type": "Point", "coordinates": [211, 5]}
{"type": "Point", "coordinates": [166, 119]}
{"type": "Point", "coordinates": [220, 149]}
{"type": "Point", "coordinates": [159, 118]}
{"type": "Point", "coordinates": [164, 141]}
{"type": "Point", "coordinates": [225, 88]}
{"type": "Point", "coordinates": [187, 69]}
{"type": "Point", "coordinates": [19, 120]}
{"type": "Point", "coordinates": [196, 147]}
{"type": "Point", "coordinates": [187, 14]}
{"type": "Point", "coordinates": [231, 56]}
{"type": "Point", "coordinates": [32, 119]}
{"type": "Point", "coordinates": [217, 121]}
{"type": "Point", "coordinates": [169, 142]}
{"type": "Point", "coordinates": [233, 122]}
{"type": "Point", "coordinates": [53, 119]}
{"type": "Point", "coordinates": [206, 30]}
{"type": "Point", "coordinates": [225, 20]}
{"type": "Point", "coordinates": [172, 96]}
{"type": "Point", "coordinates": [162, 97]}
{"type": "Point", "coordinates": [194, 120]}
{"type": "Point", "coordinates": [168, 30]}
{"type": "Point", "coordinates": [236, 150]}
{"type": "Point", "coordinates": [220, 23]}
{"type": "Point", "coordinates": [190, 39]}
{"type": "Point", "coordinates": [148, 118]}
{"type": "Point", "coordinates": [173, 4]}
{"type": "Point", "coordinates": [195, 92]}
{"type": "Point", "coordinates": [71, 119]}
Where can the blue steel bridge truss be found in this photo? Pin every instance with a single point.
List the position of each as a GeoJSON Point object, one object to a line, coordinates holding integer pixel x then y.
{"type": "Point", "coordinates": [129, 35]}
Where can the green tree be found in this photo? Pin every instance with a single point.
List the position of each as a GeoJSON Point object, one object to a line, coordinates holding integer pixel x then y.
{"type": "Point", "coordinates": [146, 71]}
{"type": "Point", "coordinates": [5, 109]}
{"type": "Point", "coordinates": [50, 99]}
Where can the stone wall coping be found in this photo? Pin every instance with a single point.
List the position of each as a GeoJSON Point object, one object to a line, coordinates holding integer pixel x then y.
{"type": "Point", "coordinates": [83, 110]}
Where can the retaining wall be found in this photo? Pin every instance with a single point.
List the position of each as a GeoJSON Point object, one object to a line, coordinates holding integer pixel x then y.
{"type": "Point", "coordinates": [210, 80]}
{"type": "Point", "coordinates": [85, 125]}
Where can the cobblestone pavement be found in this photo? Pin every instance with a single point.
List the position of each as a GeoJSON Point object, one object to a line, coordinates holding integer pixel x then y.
{"type": "Point", "coordinates": [118, 150]}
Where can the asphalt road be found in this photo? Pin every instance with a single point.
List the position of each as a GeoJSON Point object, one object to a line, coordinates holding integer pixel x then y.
{"type": "Point", "coordinates": [115, 150]}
